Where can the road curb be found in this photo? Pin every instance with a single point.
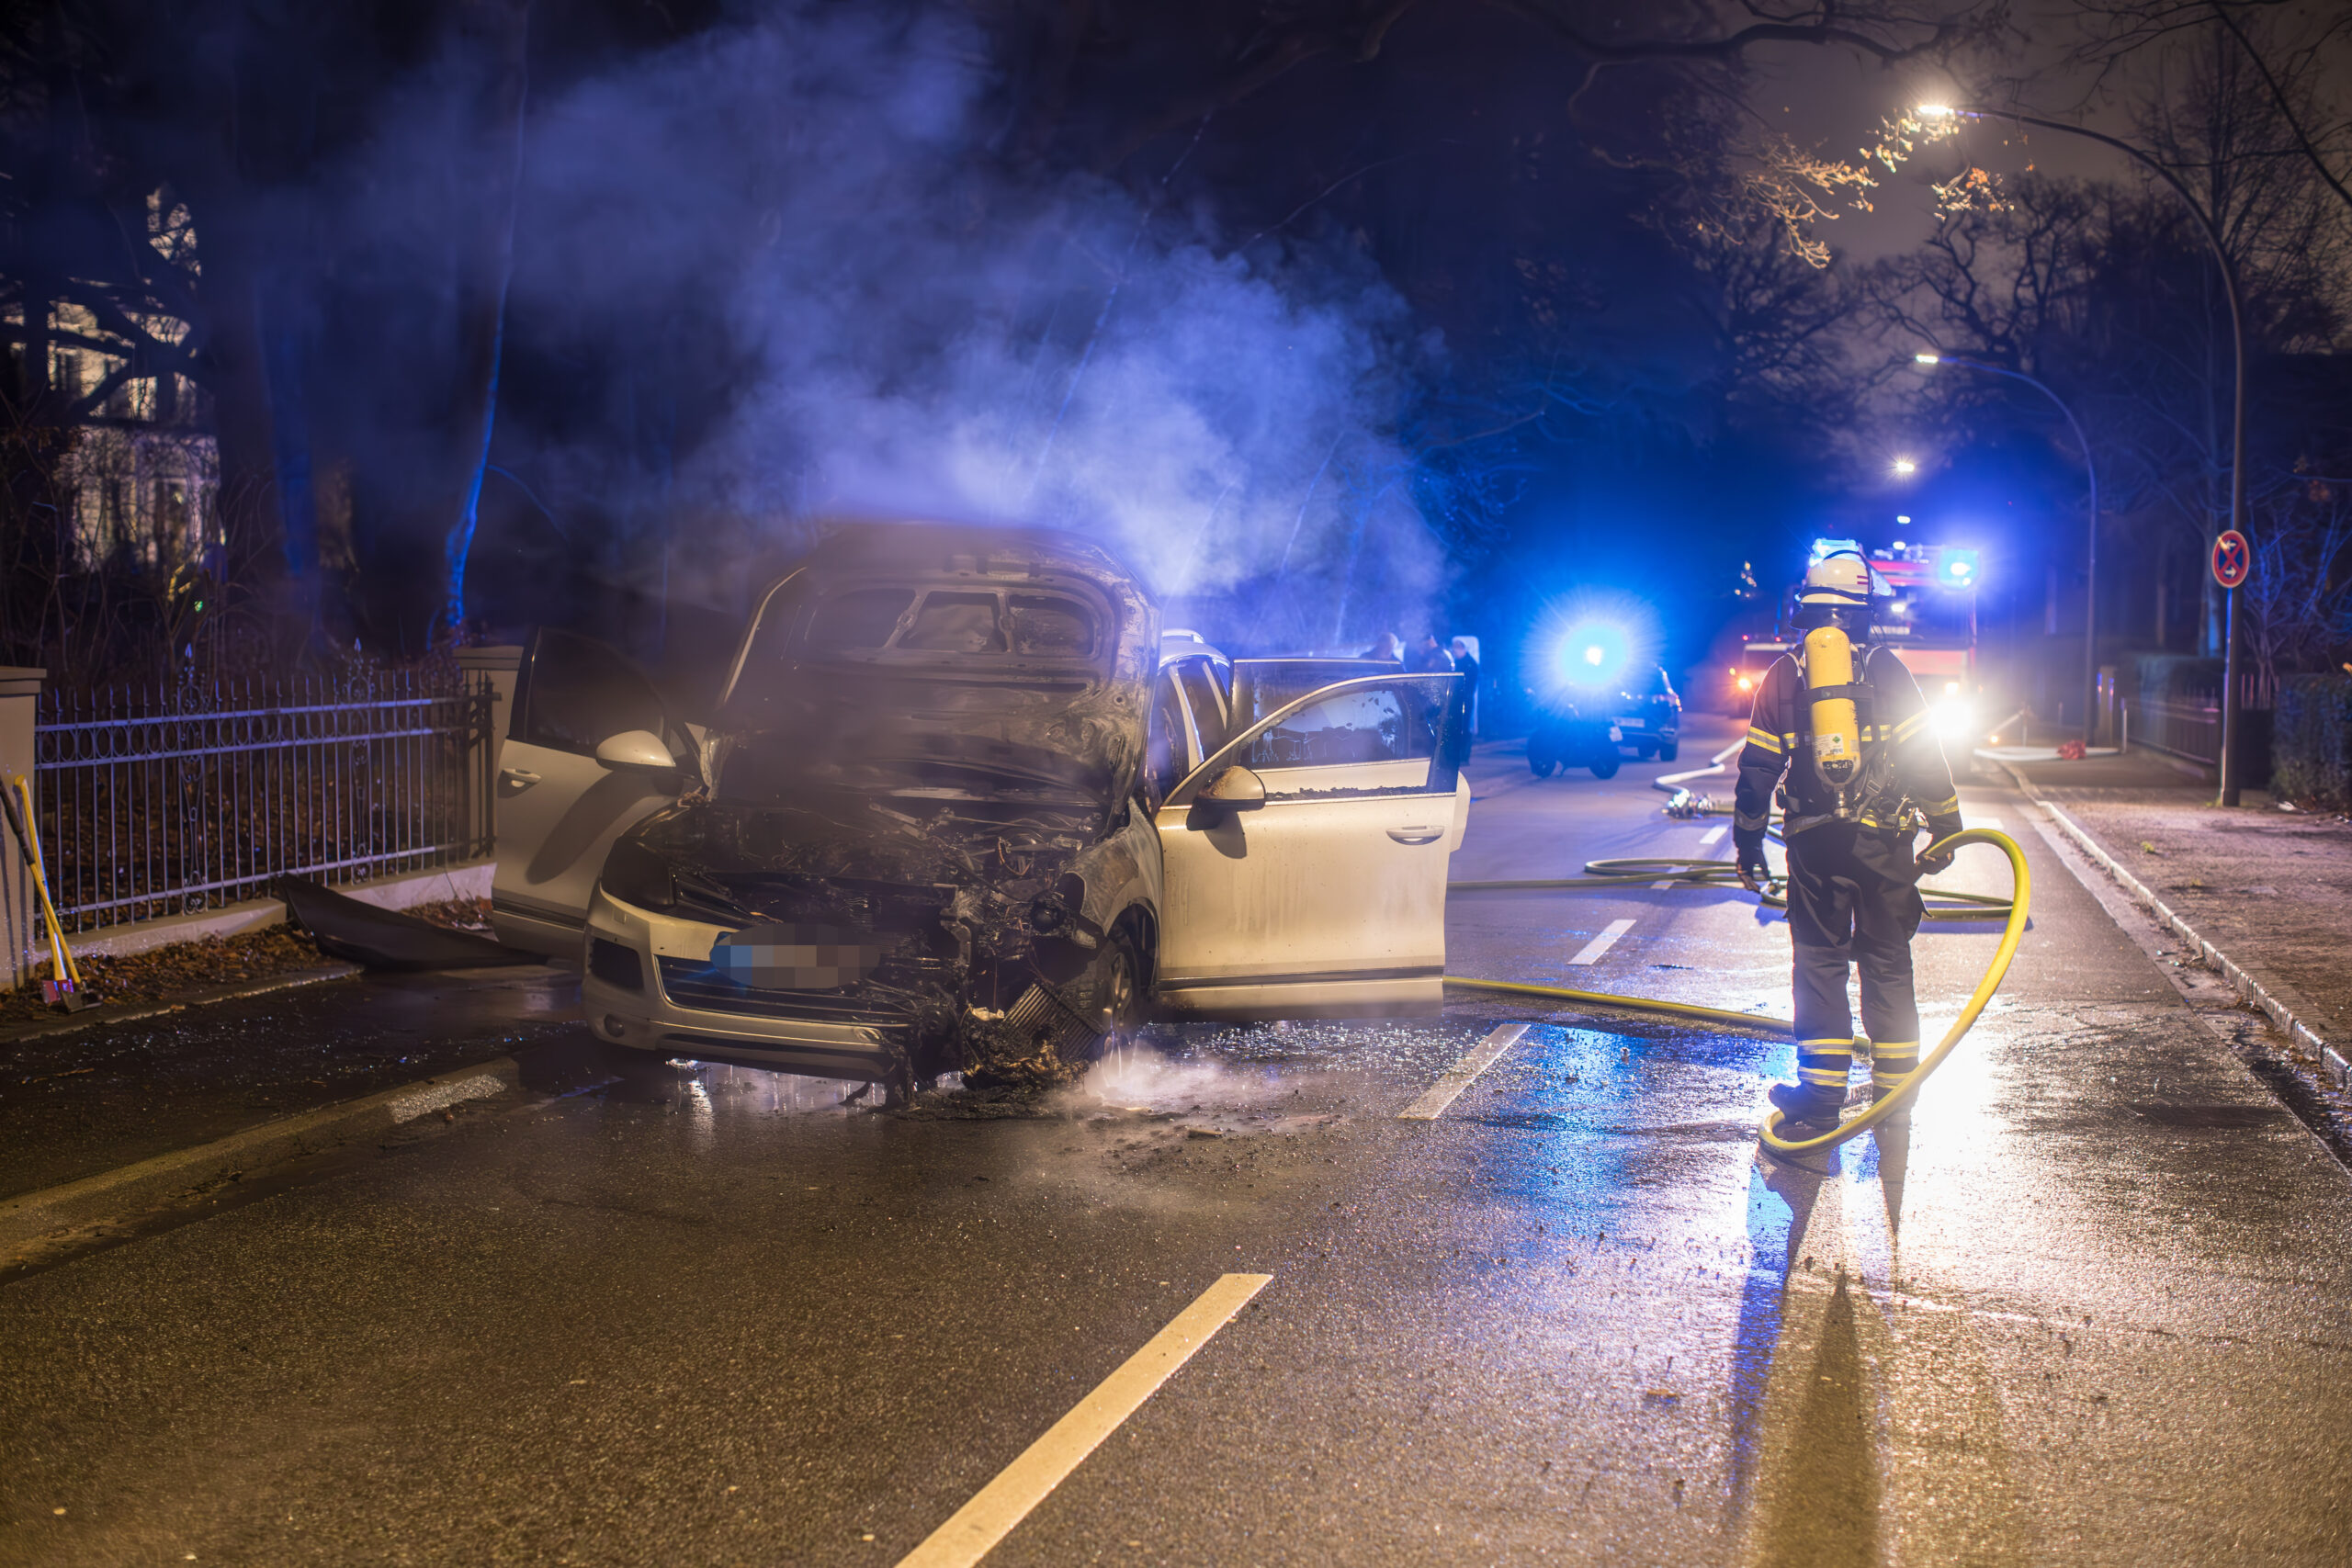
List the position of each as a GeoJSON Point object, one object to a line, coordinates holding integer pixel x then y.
{"type": "Point", "coordinates": [2276, 1002]}
{"type": "Point", "coordinates": [236, 991]}
{"type": "Point", "coordinates": [131, 1189]}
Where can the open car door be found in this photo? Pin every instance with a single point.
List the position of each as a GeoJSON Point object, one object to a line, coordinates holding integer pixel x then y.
{"type": "Point", "coordinates": [1306, 859]}
{"type": "Point", "coordinates": [560, 806]}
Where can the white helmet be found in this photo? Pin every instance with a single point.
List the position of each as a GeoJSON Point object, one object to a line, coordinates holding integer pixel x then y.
{"type": "Point", "coordinates": [1842, 582]}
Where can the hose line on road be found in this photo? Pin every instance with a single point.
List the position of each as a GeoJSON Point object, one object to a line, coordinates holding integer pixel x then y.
{"type": "Point", "coordinates": [1717, 873]}
{"type": "Point", "coordinates": [1666, 873]}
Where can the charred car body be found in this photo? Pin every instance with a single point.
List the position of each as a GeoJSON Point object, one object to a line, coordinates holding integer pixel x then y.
{"type": "Point", "coordinates": [961, 805]}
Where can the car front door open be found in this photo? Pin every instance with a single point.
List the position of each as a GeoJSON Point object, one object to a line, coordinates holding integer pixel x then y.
{"type": "Point", "coordinates": [558, 807]}
{"type": "Point", "coordinates": [1305, 862]}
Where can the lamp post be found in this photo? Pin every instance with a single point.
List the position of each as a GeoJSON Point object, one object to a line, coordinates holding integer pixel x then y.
{"type": "Point", "coordinates": [2229, 793]}
{"type": "Point", "coordinates": [2090, 533]}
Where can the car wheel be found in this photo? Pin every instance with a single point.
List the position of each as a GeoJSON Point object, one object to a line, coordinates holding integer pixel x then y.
{"type": "Point", "coordinates": [1604, 767]}
{"type": "Point", "coordinates": [1669, 752]}
{"type": "Point", "coordinates": [1541, 765]}
{"type": "Point", "coordinates": [1110, 993]}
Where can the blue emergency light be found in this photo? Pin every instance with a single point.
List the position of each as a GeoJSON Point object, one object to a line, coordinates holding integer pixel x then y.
{"type": "Point", "coordinates": [1594, 653]}
{"type": "Point", "coordinates": [1956, 568]}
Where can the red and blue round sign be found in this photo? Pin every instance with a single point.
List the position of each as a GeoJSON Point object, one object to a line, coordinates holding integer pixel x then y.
{"type": "Point", "coordinates": [2232, 558]}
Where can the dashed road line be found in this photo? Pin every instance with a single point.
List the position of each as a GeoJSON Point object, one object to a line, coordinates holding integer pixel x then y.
{"type": "Point", "coordinates": [1592, 950]}
{"type": "Point", "coordinates": [1712, 836]}
{"type": "Point", "coordinates": [1463, 1073]}
{"type": "Point", "coordinates": [973, 1530]}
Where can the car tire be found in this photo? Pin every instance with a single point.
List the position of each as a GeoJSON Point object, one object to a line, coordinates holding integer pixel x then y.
{"type": "Point", "coordinates": [1603, 767]}
{"type": "Point", "coordinates": [1669, 752]}
{"type": "Point", "coordinates": [1542, 766]}
{"type": "Point", "coordinates": [1111, 990]}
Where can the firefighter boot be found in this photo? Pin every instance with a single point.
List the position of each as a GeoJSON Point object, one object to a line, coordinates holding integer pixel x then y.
{"type": "Point", "coordinates": [1820, 1089]}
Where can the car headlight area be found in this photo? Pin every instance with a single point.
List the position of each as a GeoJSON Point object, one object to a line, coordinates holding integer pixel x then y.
{"type": "Point", "coordinates": [647, 984]}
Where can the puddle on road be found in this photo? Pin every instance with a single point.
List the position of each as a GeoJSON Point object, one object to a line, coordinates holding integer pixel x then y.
{"type": "Point", "coordinates": [1193, 1081]}
{"type": "Point", "coordinates": [1240, 1080]}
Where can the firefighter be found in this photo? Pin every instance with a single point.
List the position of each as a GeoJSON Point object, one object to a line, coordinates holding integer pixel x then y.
{"type": "Point", "coordinates": [1843, 722]}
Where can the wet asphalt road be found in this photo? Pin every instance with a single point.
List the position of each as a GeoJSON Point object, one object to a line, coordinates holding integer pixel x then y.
{"type": "Point", "coordinates": [2091, 1306]}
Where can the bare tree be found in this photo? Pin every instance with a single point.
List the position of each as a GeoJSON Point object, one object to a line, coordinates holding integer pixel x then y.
{"type": "Point", "coordinates": [2290, 48]}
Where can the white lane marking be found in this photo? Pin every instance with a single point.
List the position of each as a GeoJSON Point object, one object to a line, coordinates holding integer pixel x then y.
{"type": "Point", "coordinates": [1464, 1072]}
{"type": "Point", "coordinates": [975, 1528]}
{"type": "Point", "coordinates": [1603, 942]}
{"type": "Point", "coordinates": [1712, 836]}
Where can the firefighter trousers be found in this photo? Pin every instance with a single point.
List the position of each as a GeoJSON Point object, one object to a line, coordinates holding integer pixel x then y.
{"type": "Point", "coordinates": [1853, 900]}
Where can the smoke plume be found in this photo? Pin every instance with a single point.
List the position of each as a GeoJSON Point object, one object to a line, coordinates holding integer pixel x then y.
{"type": "Point", "coordinates": [907, 327]}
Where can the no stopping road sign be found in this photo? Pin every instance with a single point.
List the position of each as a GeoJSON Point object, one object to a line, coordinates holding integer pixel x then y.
{"type": "Point", "coordinates": [2233, 559]}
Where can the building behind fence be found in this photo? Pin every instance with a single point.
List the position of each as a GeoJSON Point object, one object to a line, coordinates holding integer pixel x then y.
{"type": "Point", "coordinates": [173, 801]}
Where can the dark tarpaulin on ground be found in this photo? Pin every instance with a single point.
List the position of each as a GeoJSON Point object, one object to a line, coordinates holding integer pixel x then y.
{"type": "Point", "coordinates": [385, 939]}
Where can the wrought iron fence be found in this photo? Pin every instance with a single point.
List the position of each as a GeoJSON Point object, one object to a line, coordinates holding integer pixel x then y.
{"type": "Point", "coordinates": [169, 802]}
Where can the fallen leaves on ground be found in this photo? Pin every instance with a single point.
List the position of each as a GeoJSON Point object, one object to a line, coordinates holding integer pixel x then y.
{"type": "Point", "coordinates": [457, 914]}
{"type": "Point", "coordinates": [138, 978]}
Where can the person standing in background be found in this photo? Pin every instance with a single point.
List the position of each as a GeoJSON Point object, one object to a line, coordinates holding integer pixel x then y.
{"type": "Point", "coordinates": [1465, 659]}
{"type": "Point", "coordinates": [1386, 649]}
{"type": "Point", "coordinates": [1428, 659]}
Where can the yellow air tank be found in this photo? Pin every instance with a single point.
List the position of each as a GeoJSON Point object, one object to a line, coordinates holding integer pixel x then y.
{"type": "Point", "coordinates": [1837, 730]}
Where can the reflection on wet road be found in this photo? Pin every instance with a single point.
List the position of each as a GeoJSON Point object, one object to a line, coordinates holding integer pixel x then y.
{"type": "Point", "coordinates": [2089, 1304]}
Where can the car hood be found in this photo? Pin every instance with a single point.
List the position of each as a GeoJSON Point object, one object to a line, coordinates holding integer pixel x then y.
{"type": "Point", "coordinates": [839, 837]}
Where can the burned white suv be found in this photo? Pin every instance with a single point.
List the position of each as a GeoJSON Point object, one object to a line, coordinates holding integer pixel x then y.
{"type": "Point", "coordinates": [962, 806]}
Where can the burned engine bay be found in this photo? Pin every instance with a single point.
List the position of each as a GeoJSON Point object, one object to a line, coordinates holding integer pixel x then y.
{"type": "Point", "coordinates": [913, 810]}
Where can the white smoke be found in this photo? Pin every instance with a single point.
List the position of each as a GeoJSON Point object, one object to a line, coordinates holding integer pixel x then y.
{"type": "Point", "coordinates": [921, 334]}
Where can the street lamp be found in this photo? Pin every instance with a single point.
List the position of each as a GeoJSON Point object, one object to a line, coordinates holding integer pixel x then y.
{"type": "Point", "coordinates": [2090, 575]}
{"type": "Point", "coordinates": [2229, 795]}
{"type": "Point", "coordinates": [1905, 467]}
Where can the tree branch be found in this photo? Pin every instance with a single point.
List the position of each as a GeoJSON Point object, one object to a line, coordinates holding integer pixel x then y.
{"type": "Point", "coordinates": [2279, 101]}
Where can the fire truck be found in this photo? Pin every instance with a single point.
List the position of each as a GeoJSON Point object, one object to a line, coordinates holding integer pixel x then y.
{"type": "Point", "coordinates": [1925, 613]}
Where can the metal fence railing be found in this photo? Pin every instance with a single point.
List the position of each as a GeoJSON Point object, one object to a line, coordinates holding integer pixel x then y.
{"type": "Point", "coordinates": [2190, 728]}
{"type": "Point", "coordinates": [168, 802]}
{"type": "Point", "coordinates": [2189, 724]}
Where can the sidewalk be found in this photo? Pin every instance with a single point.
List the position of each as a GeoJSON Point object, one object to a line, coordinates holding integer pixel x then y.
{"type": "Point", "coordinates": [2271, 890]}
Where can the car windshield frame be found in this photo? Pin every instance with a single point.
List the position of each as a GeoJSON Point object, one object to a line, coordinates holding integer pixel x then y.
{"type": "Point", "coordinates": [803, 598]}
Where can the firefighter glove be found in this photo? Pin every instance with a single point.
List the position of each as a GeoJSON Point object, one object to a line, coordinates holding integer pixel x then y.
{"type": "Point", "coordinates": [1748, 854]}
{"type": "Point", "coordinates": [1938, 829]}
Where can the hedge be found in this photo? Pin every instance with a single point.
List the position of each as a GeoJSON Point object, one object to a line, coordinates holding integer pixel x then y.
{"type": "Point", "coordinates": [2310, 740]}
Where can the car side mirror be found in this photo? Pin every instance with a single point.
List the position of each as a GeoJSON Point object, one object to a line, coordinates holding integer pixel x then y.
{"type": "Point", "coordinates": [1235, 789]}
{"type": "Point", "coordinates": [636, 751]}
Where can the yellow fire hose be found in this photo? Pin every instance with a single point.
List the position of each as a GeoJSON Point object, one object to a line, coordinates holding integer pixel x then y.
{"type": "Point", "coordinates": [1723, 873]}
{"type": "Point", "coordinates": [1972, 906]}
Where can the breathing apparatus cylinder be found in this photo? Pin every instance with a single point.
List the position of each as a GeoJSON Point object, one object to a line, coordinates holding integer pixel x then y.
{"type": "Point", "coordinates": [1837, 727]}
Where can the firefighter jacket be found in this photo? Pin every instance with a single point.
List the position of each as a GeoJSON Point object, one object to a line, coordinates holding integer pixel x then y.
{"type": "Point", "coordinates": [1903, 762]}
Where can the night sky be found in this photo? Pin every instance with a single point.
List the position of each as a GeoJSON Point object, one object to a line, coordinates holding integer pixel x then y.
{"type": "Point", "coordinates": [1333, 318]}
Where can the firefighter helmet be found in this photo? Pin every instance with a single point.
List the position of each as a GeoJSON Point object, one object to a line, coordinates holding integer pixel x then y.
{"type": "Point", "coordinates": [1837, 591]}
{"type": "Point", "coordinates": [1839, 581]}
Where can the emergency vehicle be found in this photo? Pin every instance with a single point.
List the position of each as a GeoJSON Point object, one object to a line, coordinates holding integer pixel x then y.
{"type": "Point", "coordinates": [1926, 613]}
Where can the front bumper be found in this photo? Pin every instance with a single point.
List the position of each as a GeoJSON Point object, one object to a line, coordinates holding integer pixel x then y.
{"type": "Point", "coordinates": [648, 1019]}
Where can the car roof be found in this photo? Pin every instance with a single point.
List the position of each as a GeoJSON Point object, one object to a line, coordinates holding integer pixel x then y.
{"type": "Point", "coordinates": [928, 549]}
